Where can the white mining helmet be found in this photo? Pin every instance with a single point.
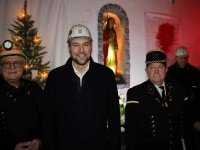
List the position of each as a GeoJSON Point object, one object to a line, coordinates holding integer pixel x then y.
{"type": "Point", "coordinates": [79, 31]}
{"type": "Point", "coordinates": [182, 51]}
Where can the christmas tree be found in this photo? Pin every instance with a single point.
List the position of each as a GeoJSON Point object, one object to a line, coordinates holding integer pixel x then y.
{"type": "Point", "coordinates": [25, 35]}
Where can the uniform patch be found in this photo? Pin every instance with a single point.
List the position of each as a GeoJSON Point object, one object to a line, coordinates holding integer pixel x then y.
{"type": "Point", "coordinates": [80, 31]}
{"type": "Point", "coordinates": [150, 89]}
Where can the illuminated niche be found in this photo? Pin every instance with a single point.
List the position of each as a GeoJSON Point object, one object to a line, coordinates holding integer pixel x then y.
{"type": "Point", "coordinates": [121, 27]}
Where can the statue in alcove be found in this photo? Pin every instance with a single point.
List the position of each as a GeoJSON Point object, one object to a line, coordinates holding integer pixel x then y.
{"type": "Point", "coordinates": [110, 45]}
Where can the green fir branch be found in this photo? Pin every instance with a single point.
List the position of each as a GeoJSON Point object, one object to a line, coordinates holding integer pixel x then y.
{"type": "Point", "coordinates": [23, 28]}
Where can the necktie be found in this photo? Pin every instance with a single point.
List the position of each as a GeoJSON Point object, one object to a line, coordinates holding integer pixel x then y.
{"type": "Point", "coordinates": [163, 91]}
{"type": "Point", "coordinates": [164, 96]}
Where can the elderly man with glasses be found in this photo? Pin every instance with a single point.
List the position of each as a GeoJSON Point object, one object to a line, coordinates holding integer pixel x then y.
{"type": "Point", "coordinates": [20, 102]}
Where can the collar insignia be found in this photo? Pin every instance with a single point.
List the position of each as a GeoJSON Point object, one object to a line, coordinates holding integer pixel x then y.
{"type": "Point", "coordinates": [150, 89]}
{"type": "Point", "coordinates": [171, 87]}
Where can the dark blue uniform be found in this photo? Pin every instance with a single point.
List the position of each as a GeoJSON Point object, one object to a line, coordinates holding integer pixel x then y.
{"type": "Point", "coordinates": [19, 113]}
{"type": "Point", "coordinates": [152, 124]}
{"type": "Point", "coordinates": [189, 76]}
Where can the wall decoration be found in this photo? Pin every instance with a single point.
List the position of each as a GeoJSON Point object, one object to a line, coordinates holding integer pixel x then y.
{"type": "Point", "coordinates": [163, 32]}
{"type": "Point", "coordinates": [165, 36]}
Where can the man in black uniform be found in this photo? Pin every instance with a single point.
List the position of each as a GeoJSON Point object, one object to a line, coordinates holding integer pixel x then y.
{"type": "Point", "coordinates": [154, 110]}
{"type": "Point", "coordinates": [20, 102]}
{"type": "Point", "coordinates": [189, 76]}
{"type": "Point", "coordinates": [81, 109]}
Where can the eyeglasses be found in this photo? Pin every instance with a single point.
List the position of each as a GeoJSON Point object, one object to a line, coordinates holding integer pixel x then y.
{"type": "Point", "coordinates": [16, 64]}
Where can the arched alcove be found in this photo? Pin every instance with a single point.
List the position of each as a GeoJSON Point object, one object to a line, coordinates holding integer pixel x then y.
{"type": "Point", "coordinates": [122, 30]}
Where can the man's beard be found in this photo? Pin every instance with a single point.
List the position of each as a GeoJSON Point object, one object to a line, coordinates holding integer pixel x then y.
{"type": "Point", "coordinates": [79, 62]}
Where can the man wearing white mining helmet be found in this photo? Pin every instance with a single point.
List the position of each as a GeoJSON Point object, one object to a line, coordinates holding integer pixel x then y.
{"type": "Point", "coordinates": [189, 76]}
{"type": "Point", "coordinates": [81, 109]}
{"type": "Point", "coordinates": [20, 102]}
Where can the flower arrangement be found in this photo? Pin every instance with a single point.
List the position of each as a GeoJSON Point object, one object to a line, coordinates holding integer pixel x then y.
{"type": "Point", "coordinates": [122, 104]}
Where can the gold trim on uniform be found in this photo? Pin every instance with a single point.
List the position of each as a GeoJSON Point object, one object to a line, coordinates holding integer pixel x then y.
{"type": "Point", "coordinates": [155, 61]}
{"type": "Point", "coordinates": [135, 102]}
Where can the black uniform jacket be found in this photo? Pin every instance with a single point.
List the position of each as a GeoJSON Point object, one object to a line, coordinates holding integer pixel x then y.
{"type": "Point", "coordinates": [81, 118]}
{"type": "Point", "coordinates": [149, 123]}
{"type": "Point", "coordinates": [20, 112]}
{"type": "Point", "coordinates": [190, 78]}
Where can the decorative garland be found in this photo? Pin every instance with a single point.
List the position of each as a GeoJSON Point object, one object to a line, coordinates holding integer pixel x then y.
{"type": "Point", "coordinates": [165, 36]}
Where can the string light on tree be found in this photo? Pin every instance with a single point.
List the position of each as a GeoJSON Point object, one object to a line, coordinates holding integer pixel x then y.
{"type": "Point", "coordinates": [26, 67]}
{"type": "Point", "coordinates": [25, 35]}
{"type": "Point", "coordinates": [44, 75]}
{"type": "Point", "coordinates": [15, 39]}
{"type": "Point", "coordinates": [22, 13]}
{"type": "Point", "coordinates": [37, 40]}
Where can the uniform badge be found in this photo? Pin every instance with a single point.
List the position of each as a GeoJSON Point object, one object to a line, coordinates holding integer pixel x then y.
{"type": "Point", "coordinates": [170, 86]}
{"type": "Point", "coordinates": [150, 89]}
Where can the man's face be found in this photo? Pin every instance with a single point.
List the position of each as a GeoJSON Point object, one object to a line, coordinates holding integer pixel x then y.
{"type": "Point", "coordinates": [182, 61]}
{"type": "Point", "coordinates": [111, 23]}
{"type": "Point", "coordinates": [12, 68]}
{"type": "Point", "coordinates": [156, 73]}
{"type": "Point", "coordinates": [80, 50]}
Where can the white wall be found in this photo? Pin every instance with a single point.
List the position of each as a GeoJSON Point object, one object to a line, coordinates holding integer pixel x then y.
{"type": "Point", "coordinates": [86, 12]}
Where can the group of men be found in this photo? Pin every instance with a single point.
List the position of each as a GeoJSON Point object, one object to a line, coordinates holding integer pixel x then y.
{"type": "Point", "coordinates": [79, 106]}
{"type": "Point", "coordinates": [163, 112]}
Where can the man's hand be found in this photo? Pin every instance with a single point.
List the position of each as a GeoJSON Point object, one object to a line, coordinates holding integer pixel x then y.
{"type": "Point", "coordinates": [22, 146]}
{"type": "Point", "coordinates": [31, 145]}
